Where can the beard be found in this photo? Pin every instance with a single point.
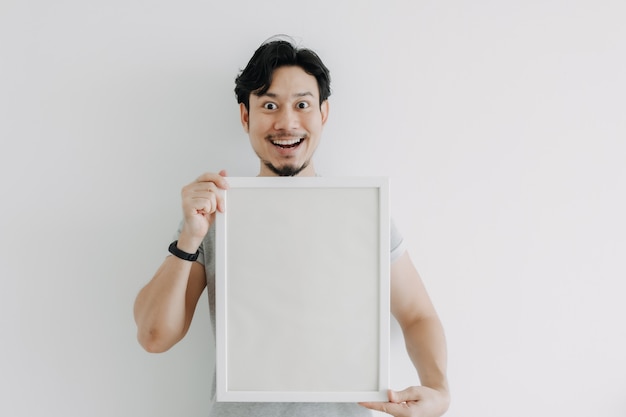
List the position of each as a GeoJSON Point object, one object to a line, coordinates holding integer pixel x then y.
{"type": "Point", "coordinates": [287, 170]}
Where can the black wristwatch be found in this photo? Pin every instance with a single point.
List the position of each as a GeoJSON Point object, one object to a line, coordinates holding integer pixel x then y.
{"type": "Point", "coordinates": [182, 254]}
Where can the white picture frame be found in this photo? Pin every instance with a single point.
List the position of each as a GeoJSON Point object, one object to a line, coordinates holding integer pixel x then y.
{"type": "Point", "coordinates": [302, 290]}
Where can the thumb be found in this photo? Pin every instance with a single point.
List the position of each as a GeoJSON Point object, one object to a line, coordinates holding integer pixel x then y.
{"type": "Point", "coordinates": [223, 173]}
{"type": "Point", "coordinates": [409, 394]}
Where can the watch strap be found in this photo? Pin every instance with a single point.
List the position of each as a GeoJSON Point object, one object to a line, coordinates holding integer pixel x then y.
{"type": "Point", "coordinates": [173, 249]}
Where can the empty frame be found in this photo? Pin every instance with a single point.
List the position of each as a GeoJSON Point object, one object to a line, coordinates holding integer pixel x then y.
{"type": "Point", "coordinates": [302, 290]}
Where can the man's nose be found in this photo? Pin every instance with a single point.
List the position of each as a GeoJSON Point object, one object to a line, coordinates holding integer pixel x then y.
{"type": "Point", "coordinates": [286, 119]}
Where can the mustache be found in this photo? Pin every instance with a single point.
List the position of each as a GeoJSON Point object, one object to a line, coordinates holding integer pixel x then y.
{"type": "Point", "coordinates": [286, 135]}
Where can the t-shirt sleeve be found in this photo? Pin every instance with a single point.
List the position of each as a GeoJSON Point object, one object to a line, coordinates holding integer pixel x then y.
{"type": "Point", "coordinates": [396, 242]}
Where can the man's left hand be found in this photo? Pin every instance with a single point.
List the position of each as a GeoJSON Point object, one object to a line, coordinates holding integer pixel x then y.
{"type": "Point", "coordinates": [413, 402]}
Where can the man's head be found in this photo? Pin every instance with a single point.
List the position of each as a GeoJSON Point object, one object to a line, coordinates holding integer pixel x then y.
{"type": "Point", "coordinates": [257, 76]}
{"type": "Point", "coordinates": [282, 95]}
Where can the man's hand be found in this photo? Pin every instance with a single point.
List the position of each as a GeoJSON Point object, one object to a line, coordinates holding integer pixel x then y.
{"type": "Point", "coordinates": [201, 200]}
{"type": "Point", "coordinates": [413, 402]}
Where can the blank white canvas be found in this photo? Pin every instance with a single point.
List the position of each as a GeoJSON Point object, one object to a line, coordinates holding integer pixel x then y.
{"type": "Point", "coordinates": [302, 290]}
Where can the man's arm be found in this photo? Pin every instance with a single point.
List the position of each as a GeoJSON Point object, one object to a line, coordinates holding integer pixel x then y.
{"type": "Point", "coordinates": [164, 307]}
{"type": "Point", "coordinates": [425, 343]}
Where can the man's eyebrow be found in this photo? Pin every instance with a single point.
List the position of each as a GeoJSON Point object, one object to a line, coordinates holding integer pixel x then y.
{"type": "Point", "coordinates": [296, 95]}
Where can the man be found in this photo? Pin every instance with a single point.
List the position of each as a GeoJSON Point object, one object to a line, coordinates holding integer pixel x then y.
{"type": "Point", "coordinates": [283, 101]}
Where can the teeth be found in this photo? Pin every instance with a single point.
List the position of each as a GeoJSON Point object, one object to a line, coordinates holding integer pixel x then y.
{"type": "Point", "coordinates": [286, 142]}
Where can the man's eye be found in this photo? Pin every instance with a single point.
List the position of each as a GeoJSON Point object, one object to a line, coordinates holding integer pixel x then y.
{"type": "Point", "coordinates": [270, 106]}
{"type": "Point", "coordinates": [302, 105]}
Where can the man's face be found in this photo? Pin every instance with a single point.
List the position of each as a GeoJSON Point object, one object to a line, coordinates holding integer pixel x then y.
{"type": "Point", "coordinates": [285, 123]}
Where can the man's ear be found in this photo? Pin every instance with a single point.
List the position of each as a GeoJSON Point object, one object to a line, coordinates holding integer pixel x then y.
{"type": "Point", "coordinates": [245, 116]}
{"type": "Point", "coordinates": [324, 108]}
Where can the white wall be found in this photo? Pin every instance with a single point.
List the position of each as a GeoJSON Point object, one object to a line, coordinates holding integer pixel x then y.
{"type": "Point", "coordinates": [501, 124]}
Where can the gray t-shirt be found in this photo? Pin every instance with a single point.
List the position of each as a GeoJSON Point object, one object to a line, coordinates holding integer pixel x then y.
{"type": "Point", "coordinates": [229, 409]}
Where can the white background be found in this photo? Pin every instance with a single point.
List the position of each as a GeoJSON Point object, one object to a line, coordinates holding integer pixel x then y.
{"type": "Point", "coordinates": [501, 124]}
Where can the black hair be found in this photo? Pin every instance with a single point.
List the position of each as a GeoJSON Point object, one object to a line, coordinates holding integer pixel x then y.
{"type": "Point", "coordinates": [256, 78]}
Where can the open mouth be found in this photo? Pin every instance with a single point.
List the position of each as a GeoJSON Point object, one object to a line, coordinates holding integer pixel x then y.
{"type": "Point", "coordinates": [287, 143]}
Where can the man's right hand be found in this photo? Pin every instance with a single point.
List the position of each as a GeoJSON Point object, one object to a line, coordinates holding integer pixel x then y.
{"type": "Point", "coordinates": [201, 199]}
